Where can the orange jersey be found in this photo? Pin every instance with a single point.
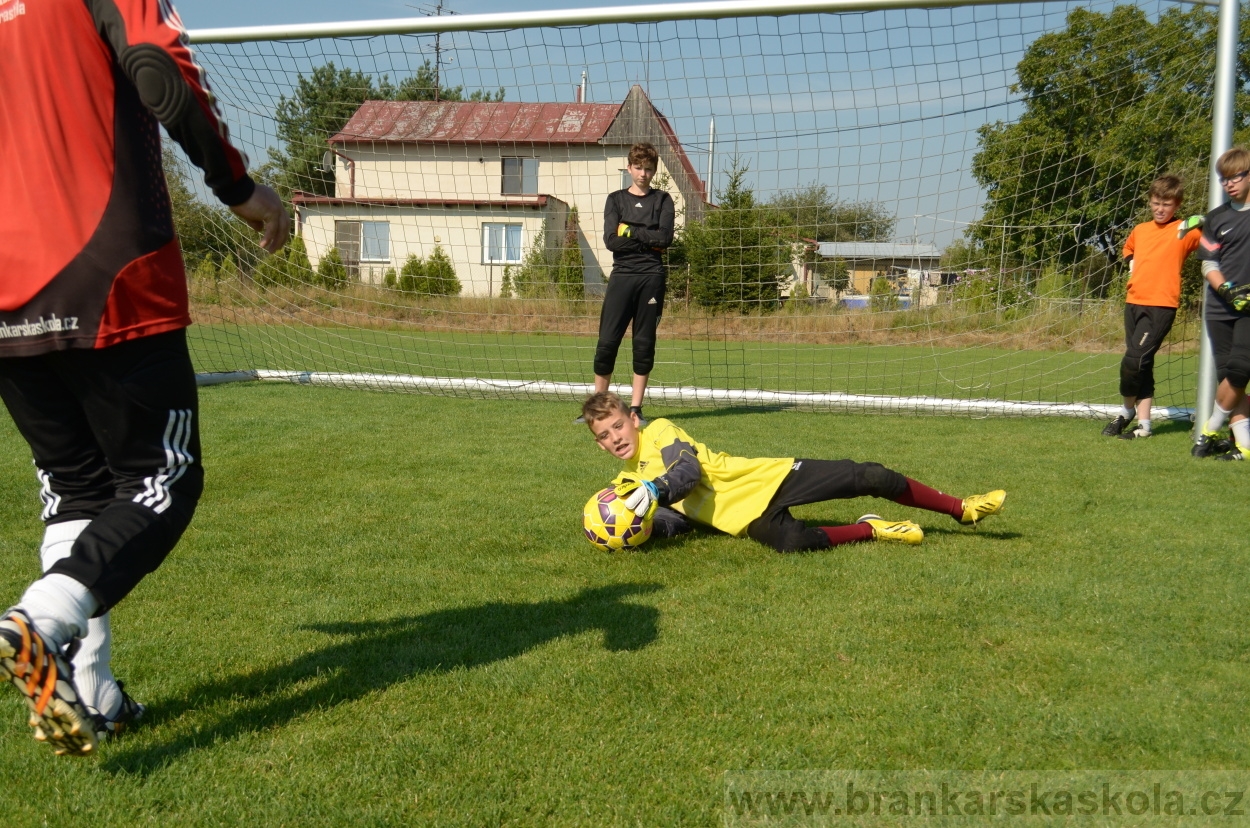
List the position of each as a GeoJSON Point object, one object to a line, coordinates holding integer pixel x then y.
{"type": "Point", "coordinates": [1157, 259]}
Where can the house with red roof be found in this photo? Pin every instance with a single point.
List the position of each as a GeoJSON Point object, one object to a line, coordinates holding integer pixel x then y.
{"type": "Point", "coordinates": [482, 180]}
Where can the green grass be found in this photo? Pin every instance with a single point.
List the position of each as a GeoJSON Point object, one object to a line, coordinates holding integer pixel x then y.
{"type": "Point", "coordinates": [944, 369]}
{"type": "Point", "coordinates": [384, 614]}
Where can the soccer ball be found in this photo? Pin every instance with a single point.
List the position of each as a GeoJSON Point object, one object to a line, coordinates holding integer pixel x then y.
{"type": "Point", "coordinates": [611, 525]}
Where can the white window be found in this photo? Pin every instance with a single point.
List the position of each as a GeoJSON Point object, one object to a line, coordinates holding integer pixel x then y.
{"type": "Point", "coordinates": [626, 181]}
{"type": "Point", "coordinates": [501, 243]}
{"type": "Point", "coordinates": [520, 176]}
{"type": "Point", "coordinates": [375, 241]}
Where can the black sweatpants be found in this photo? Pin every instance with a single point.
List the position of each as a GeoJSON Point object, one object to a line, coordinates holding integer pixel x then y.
{"type": "Point", "coordinates": [635, 298]}
{"type": "Point", "coordinates": [1144, 330]}
{"type": "Point", "coordinates": [115, 438]}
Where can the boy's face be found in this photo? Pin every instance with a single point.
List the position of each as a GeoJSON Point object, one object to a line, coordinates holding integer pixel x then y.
{"type": "Point", "coordinates": [641, 175]}
{"type": "Point", "coordinates": [1237, 186]}
{"type": "Point", "coordinates": [1163, 209]}
{"type": "Point", "coordinates": [617, 434]}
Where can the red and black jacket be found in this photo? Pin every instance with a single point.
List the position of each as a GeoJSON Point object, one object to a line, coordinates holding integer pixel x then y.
{"type": "Point", "coordinates": [88, 256]}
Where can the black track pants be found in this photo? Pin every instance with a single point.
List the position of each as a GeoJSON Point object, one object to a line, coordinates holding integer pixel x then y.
{"type": "Point", "coordinates": [639, 299]}
{"type": "Point", "coordinates": [115, 438]}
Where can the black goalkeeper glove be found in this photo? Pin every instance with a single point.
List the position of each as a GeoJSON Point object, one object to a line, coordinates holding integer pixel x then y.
{"type": "Point", "coordinates": [1238, 296]}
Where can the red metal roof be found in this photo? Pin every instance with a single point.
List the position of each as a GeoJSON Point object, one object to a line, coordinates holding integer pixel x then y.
{"type": "Point", "coordinates": [485, 122]}
{"type": "Point", "coordinates": [532, 202]}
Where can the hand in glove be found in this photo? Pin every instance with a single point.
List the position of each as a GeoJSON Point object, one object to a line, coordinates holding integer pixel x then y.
{"type": "Point", "coordinates": [624, 229]}
{"type": "Point", "coordinates": [1189, 224]}
{"type": "Point", "coordinates": [642, 497]}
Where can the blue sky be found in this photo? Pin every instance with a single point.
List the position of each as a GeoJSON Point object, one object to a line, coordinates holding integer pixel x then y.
{"type": "Point", "coordinates": [877, 106]}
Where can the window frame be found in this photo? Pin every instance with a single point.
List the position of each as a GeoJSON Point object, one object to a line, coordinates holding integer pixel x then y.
{"type": "Point", "coordinates": [503, 227]}
{"type": "Point", "coordinates": [525, 172]}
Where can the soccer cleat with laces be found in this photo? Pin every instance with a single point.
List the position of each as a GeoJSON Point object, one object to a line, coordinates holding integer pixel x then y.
{"type": "Point", "coordinates": [1116, 426]}
{"type": "Point", "coordinates": [130, 712]}
{"type": "Point", "coordinates": [1211, 444]}
{"type": "Point", "coordinates": [47, 682]}
{"type": "Point", "coordinates": [1136, 433]}
{"type": "Point", "coordinates": [900, 531]}
{"type": "Point", "coordinates": [1235, 453]}
{"type": "Point", "coordinates": [978, 507]}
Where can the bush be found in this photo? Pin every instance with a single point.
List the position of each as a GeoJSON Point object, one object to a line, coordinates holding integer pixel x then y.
{"type": "Point", "coordinates": [883, 295]}
{"type": "Point", "coordinates": [440, 274]}
{"type": "Point", "coordinates": [331, 273]}
{"type": "Point", "coordinates": [412, 275]}
{"type": "Point", "coordinates": [390, 279]}
{"type": "Point", "coordinates": [298, 269]}
{"type": "Point", "coordinates": [206, 271]}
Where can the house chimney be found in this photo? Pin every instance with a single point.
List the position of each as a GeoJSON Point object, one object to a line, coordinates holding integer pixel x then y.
{"type": "Point", "coordinates": [577, 94]}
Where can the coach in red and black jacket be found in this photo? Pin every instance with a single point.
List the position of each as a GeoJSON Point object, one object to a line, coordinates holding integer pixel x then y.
{"type": "Point", "coordinates": [94, 366]}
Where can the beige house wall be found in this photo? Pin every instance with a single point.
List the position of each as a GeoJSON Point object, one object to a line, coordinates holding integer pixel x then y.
{"type": "Point", "coordinates": [417, 231]}
{"type": "Point", "coordinates": [580, 175]}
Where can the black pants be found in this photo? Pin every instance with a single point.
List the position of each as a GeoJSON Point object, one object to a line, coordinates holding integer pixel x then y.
{"type": "Point", "coordinates": [810, 481]}
{"type": "Point", "coordinates": [1230, 344]}
{"type": "Point", "coordinates": [115, 438]}
{"type": "Point", "coordinates": [1144, 330]}
{"type": "Point", "coordinates": [639, 299]}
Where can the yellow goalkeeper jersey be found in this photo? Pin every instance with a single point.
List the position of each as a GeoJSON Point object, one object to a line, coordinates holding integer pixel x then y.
{"type": "Point", "coordinates": [709, 487]}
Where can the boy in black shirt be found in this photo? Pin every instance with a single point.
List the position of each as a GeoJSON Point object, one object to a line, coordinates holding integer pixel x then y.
{"type": "Point", "coordinates": [637, 228]}
{"type": "Point", "coordinates": [1225, 254]}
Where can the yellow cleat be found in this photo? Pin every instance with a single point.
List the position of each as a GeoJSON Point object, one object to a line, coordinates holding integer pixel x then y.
{"type": "Point", "coordinates": [978, 507]}
{"type": "Point", "coordinates": [899, 531]}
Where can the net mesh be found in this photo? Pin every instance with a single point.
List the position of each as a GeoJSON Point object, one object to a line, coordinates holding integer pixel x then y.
{"type": "Point", "coordinates": [917, 208]}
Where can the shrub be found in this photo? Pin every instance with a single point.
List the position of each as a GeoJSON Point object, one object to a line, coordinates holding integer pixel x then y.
{"type": "Point", "coordinates": [331, 272]}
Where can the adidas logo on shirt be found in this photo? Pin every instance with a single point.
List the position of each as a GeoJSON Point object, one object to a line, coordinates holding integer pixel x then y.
{"type": "Point", "coordinates": [639, 204]}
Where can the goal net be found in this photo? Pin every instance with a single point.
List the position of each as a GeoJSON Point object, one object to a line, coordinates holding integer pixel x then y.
{"type": "Point", "coordinates": [909, 209]}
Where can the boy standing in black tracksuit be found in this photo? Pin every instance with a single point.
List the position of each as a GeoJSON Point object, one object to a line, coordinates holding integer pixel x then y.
{"type": "Point", "coordinates": [637, 228]}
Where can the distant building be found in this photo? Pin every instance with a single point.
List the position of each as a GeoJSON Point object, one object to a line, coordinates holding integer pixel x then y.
{"type": "Point", "coordinates": [479, 179]}
{"type": "Point", "coordinates": [908, 265]}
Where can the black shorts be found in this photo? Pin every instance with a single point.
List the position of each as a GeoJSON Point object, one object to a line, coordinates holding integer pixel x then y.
{"type": "Point", "coordinates": [1230, 345]}
{"type": "Point", "coordinates": [1145, 328]}
{"type": "Point", "coordinates": [815, 481]}
{"type": "Point", "coordinates": [630, 298]}
{"type": "Point", "coordinates": [115, 437]}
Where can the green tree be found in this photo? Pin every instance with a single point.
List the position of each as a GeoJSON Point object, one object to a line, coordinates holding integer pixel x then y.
{"type": "Point", "coordinates": [570, 269]}
{"type": "Point", "coordinates": [331, 272]}
{"type": "Point", "coordinates": [1110, 102]}
{"type": "Point", "coordinates": [298, 269]}
{"type": "Point", "coordinates": [412, 275]}
{"type": "Point", "coordinates": [736, 256]}
{"type": "Point", "coordinates": [420, 87]}
{"type": "Point", "coordinates": [440, 274]}
{"type": "Point", "coordinates": [816, 214]}
{"type": "Point", "coordinates": [203, 230]}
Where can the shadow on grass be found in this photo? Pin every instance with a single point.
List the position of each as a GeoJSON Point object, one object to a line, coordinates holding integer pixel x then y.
{"type": "Point", "coordinates": [373, 655]}
{"type": "Point", "coordinates": [731, 411]}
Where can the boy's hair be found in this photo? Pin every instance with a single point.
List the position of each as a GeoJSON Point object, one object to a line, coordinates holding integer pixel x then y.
{"type": "Point", "coordinates": [644, 154]}
{"type": "Point", "coordinates": [1232, 162]}
{"type": "Point", "coordinates": [603, 404]}
{"type": "Point", "coordinates": [1168, 188]}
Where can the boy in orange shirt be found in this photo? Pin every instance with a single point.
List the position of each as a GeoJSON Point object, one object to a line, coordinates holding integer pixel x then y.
{"type": "Point", "coordinates": [1155, 251]}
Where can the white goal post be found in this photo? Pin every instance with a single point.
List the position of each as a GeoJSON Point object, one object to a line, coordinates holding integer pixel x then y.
{"type": "Point", "coordinates": [878, 208]}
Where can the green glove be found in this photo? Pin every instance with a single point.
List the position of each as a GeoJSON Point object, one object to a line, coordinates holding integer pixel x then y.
{"type": "Point", "coordinates": [624, 229]}
{"type": "Point", "coordinates": [1189, 224]}
{"type": "Point", "coordinates": [1238, 296]}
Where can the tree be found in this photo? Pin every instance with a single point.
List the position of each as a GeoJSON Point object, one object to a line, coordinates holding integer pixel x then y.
{"type": "Point", "coordinates": [412, 275]}
{"type": "Point", "coordinates": [737, 254]}
{"type": "Point", "coordinates": [202, 229]}
{"type": "Point", "coordinates": [331, 272]}
{"type": "Point", "coordinates": [816, 214]}
{"type": "Point", "coordinates": [1110, 102]}
{"type": "Point", "coordinates": [440, 274]}
{"type": "Point", "coordinates": [321, 105]}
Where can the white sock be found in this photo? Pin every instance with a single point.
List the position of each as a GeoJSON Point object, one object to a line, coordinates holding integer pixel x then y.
{"type": "Point", "coordinates": [1218, 417]}
{"type": "Point", "coordinates": [58, 541]}
{"type": "Point", "coordinates": [1127, 412]}
{"type": "Point", "coordinates": [59, 606]}
{"type": "Point", "coordinates": [1241, 433]}
{"type": "Point", "coordinates": [1144, 425]}
{"type": "Point", "coordinates": [93, 672]}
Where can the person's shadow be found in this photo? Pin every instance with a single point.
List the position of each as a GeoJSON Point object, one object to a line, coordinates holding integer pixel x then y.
{"type": "Point", "coordinates": [372, 655]}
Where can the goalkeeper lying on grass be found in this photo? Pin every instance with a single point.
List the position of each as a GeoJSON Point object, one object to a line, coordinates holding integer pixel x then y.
{"type": "Point", "coordinates": [680, 482]}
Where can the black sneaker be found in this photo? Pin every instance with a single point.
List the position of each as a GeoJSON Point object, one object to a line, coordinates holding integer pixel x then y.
{"type": "Point", "coordinates": [637, 409]}
{"type": "Point", "coordinates": [579, 420]}
{"type": "Point", "coordinates": [1211, 444]}
{"type": "Point", "coordinates": [1136, 433]}
{"type": "Point", "coordinates": [129, 713]}
{"type": "Point", "coordinates": [1235, 453]}
{"type": "Point", "coordinates": [1116, 426]}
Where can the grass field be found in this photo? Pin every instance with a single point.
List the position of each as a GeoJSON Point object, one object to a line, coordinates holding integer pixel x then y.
{"type": "Point", "coordinates": [942, 369]}
{"type": "Point", "coordinates": [384, 614]}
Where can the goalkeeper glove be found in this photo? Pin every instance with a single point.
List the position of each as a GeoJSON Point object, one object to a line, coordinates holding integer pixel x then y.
{"type": "Point", "coordinates": [624, 229]}
{"type": "Point", "coordinates": [1189, 224]}
{"type": "Point", "coordinates": [642, 497]}
{"type": "Point", "coordinates": [1238, 296]}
